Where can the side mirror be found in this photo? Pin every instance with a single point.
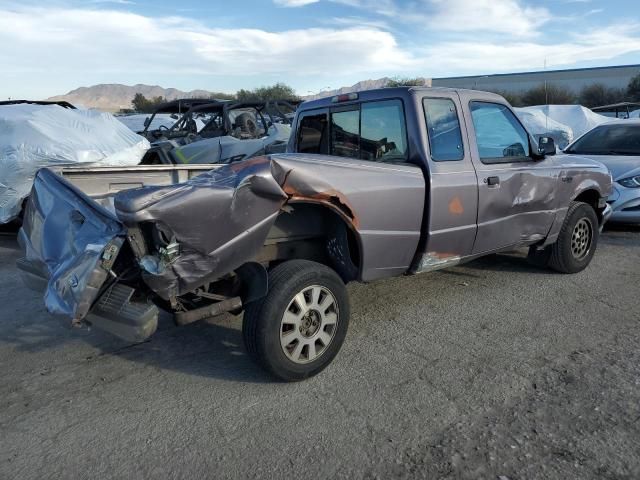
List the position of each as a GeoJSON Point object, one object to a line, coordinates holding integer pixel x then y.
{"type": "Point", "coordinates": [174, 116]}
{"type": "Point", "coordinates": [546, 146]}
{"type": "Point", "coordinates": [147, 122]}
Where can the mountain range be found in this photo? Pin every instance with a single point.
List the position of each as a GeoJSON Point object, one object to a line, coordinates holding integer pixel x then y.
{"type": "Point", "coordinates": [114, 96]}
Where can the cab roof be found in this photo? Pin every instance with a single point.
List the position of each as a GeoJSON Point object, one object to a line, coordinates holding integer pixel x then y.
{"type": "Point", "coordinates": [392, 92]}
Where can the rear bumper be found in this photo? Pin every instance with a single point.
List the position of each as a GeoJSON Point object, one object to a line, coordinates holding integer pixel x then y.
{"type": "Point", "coordinates": [114, 311]}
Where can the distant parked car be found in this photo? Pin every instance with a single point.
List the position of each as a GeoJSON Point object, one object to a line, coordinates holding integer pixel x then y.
{"type": "Point", "coordinates": [37, 134]}
{"type": "Point", "coordinates": [617, 145]}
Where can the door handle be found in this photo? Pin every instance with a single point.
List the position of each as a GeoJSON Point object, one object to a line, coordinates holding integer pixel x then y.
{"type": "Point", "coordinates": [492, 181]}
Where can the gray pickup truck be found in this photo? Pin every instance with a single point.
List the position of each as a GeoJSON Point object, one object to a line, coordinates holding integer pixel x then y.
{"type": "Point", "coordinates": [377, 184]}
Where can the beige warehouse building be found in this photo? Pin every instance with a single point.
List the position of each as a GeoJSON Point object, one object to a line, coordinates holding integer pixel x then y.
{"type": "Point", "coordinates": [573, 79]}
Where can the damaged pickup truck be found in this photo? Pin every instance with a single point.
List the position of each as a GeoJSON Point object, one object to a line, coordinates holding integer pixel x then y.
{"type": "Point", "coordinates": [377, 184]}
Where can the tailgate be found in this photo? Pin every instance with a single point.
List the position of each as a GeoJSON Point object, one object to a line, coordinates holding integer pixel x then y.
{"type": "Point", "coordinates": [70, 242]}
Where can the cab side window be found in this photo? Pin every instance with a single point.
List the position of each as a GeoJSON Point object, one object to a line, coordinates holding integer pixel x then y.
{"type": "Point", "coordinates": [383, 134]}
{"type": "Point", "coordinates": [499, 135]}
{"type": "Point", "coordinates": [374, 131]}
{"type": "Point", "coordinates": [345, 133]}
{"type": "Point", "coordinates": [443, 126]}
{"type": "Point", "coordinates": [313, 133]}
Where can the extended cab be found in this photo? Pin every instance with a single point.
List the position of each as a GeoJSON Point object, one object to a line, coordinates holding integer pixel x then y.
{"type": "Point", "coordinates": [377, 184]}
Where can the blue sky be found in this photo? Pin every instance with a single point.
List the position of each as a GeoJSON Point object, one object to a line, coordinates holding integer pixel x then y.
{"type": "Point", "coordinates": [50, 48]}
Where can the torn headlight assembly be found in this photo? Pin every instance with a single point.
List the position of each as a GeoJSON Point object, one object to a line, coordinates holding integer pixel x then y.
{"type": "Point", "coordinates": [630, 182]}
{"type": "Point", "coordinates": [162, 246]}
{"type": "Point", "coordinates": [164, 242]}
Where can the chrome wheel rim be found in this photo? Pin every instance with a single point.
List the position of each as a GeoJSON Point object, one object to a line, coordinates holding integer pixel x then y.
{"type": "Point", "coordinates": [309, 324]}
{"type": "Point", "coordinates": [581, 239]}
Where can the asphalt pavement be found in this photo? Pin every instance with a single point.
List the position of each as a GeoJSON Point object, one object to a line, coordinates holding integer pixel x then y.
{"type": "Point", "coordinates": [495, 368]}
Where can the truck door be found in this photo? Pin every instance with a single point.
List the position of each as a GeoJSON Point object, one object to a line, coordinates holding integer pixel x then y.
{"type": "Point", "coordinates": [515, 191]}
{"type": "Point", "coordinates": [453, 185]}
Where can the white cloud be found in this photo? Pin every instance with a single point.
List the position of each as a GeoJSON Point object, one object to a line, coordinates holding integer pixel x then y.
{"type": "Point", "coordinates": [486, 57]}
{"type": "Point", "coordinates": [294, 3]}
{"type": "Point", "coordinates": [499, 16]}
{"type": "Point", "coordinates": [387, 8]}
{"type": "Point", "coordinates": [75, 40]}
{"type": "Point", "coordinates": [71, 47]}
{"type": "Point", "coordinates": [503, 16]}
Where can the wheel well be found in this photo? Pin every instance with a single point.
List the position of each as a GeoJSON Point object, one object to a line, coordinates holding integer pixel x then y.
{"type": "Point", "coordinates": [591, 197]}
{"type": "Point", "coordinates": [314, 232]}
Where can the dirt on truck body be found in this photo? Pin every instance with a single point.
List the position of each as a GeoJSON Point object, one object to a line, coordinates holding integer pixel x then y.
{"type": "Point", "coordinates": [377, 184]}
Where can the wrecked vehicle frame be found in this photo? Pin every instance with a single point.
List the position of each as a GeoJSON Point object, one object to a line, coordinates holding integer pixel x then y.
{"type": "Point", "coordinates": [376, 184]}
{"type": "Point", "coordinates": [232, 131]}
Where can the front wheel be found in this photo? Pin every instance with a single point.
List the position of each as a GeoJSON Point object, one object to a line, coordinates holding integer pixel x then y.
{"type": "Point", "coordinates": [577, 240]}
{"type": "Point", "coordinates": [297, 329]}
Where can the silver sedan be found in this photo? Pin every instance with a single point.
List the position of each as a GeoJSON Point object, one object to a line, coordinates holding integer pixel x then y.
{"type": "Point", "coordinates": [616, 145]}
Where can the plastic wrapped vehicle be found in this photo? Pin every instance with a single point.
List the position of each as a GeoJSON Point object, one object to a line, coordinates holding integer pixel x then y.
{"type": "Point", "coordinates": [540, 124]}
{"type": "Point", "coordinates": [577, 118]}
{"type": "Point", "coordinates": [42, 134]}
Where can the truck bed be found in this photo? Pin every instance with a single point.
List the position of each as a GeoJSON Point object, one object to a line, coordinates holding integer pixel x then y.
{"type": "Point", "coordinates": [103, 182]}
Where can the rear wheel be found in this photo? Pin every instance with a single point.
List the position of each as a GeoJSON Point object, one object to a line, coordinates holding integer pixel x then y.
{"type": "Point", "coordinates": [297, 329]}
{"type": "Point", "coordinates": [577, 240]}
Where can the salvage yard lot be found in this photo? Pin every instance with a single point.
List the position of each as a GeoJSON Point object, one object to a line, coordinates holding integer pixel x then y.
{"type": "Point", "coordinates": [492, 368]}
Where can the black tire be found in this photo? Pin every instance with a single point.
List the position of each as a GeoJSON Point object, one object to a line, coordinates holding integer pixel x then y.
{"type": "Point", "coordinates": [263, 327]}
{"type": "Point", "coordinates": [567, 255]}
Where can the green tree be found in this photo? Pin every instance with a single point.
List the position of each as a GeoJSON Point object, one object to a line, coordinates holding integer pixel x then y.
{"type": "Point", "coordinates": [279, 91]}
{"type": "Point", "coordinates": [142, 104]}
{"type": "Point", "coordinates": [548, 95]}
{"type": "Point", "coordinates": [514, 99]}
{"type": "Point", "coordinates": [633, 90]}
{"type": "Point", "coordinates": [405, 82]}
{"type": "Point", "coordinates": [598, 94]}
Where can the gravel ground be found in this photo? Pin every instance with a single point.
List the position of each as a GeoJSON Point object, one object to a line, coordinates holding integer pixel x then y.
{"type": "Point", "coordinates": [491, 370]}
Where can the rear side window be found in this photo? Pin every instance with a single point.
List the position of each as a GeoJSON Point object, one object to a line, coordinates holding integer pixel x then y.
{"type": "Point", "coordinates": [383, 133]}
{"type": "Point", "coordinates": [345, 133]}
{"type": "Point", "coordinates": [499, 135]}
{"type": "Point", "coordinates": [313, 134]}
{"type": "Point", "coordinates": [443, 125]}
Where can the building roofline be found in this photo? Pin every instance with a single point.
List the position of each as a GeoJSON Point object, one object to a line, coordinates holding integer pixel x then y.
{"type": "Point", "coordinates": [537, 72]}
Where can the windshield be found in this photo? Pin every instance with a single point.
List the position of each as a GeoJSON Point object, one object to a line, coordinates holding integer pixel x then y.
{"type": "Point", "coordinates": [615, 139]}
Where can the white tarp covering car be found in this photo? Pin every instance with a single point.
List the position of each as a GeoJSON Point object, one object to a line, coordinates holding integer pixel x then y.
{"type": "Point", "coordinates": [577, 118]}
{"type": "Point", "coordinates": [34, 136]}
{"type": "Point", "coordinates": [540, 125]}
